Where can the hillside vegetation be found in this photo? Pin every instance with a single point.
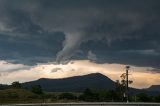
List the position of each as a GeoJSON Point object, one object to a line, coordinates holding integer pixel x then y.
{"type": "Point", "coordinates": [17, 96]}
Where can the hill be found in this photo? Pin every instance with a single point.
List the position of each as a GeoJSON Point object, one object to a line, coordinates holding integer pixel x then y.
{"type": "Point", "coordinates": [18, 96]}
{"type": "Point", "coordinates": [154, 88]}
{"type": "Point", "coordinates": [73, 84]}
{"type": "Point", "coordinates": [2, 86]}
{"type": "Point", "coordinates": [16, 93]}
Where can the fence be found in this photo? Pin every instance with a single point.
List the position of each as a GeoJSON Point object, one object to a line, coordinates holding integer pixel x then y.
{"type": "Point", "coordinates": [86, 104]}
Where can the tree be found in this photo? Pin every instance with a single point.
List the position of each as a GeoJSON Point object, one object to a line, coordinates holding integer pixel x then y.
{"type": "Point", "coordinates": [36, 89]}
{"type": "Point", "coordinates": [142, 97]}
{"type": "Point", "coordinates": [111, 96]}
{"type": "Point", "coordinates": [120, 90]}
{"type": "Point", "coordinates": [157, 98]}
{"type": "Point", "coordinates": [89, 95]}
{"type": "Point", "coordinates": [16, 84]}
{"type": "Point", "coordinates": [68, 96]}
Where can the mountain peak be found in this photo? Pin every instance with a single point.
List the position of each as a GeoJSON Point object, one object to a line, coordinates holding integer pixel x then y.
{"type": "Point", "coordinates": [96, 74]}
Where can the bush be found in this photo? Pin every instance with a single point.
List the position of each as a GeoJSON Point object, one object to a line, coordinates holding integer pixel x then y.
{"type": "Point", "coordinates": [68, 96]}
{"type": "Point", "coordinates": [49, 96]}
{"type": "Point", "coordinates": [36, 89]}
{"type": "Point", "coordinates": [16, 84]}
{"type": "Point", "coordinates": [89, 96]}
{"type": "Point", "coordinates": [142, 97]}
{"type": "Point", "coordinates": [157, 98]}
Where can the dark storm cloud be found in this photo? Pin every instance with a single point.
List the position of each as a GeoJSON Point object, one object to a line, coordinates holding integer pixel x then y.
{"type": "Point", "coordinates": [116, 31]}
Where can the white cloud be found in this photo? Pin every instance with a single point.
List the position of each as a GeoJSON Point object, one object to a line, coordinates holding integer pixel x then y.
{"type": "Point", "coordinates": [10, 67]}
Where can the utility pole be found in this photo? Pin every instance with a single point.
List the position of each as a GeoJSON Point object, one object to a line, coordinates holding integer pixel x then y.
{"type": "Point", "coordinates": [127, 93]}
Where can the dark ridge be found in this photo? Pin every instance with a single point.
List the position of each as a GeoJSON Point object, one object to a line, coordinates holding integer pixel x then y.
{"type": "Point", "coordinates": [73, 84]}
{"type": "Point", "coordinates": [154, 88]}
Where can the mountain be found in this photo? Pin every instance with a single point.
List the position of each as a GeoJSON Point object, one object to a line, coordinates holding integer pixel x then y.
{"type": "Point", "coordinates": [11, 93]}
{"type": "Point", "coordinates": [154, 88]}
{"type": "Point", "coordinates": [2, 86]}
{"type": "Point", "coordinates": [76, 83]}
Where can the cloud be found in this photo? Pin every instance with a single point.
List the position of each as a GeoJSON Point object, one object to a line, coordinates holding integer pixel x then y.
{"type": "Point", "coordinates": [42, 31]}
{"type": "Point", "coordinates": [92, 56]}
{"type": "Point", "coordinates": [9, 67]}
{"type": "Point", "coordinates": [143, 52]}
{"type": "Point", "coordinates": [55, 69]}
{"type": "Point", "coordinates": [72, 42]}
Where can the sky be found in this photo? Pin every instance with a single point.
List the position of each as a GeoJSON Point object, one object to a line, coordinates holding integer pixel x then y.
{"type": "Point", "coordinates": [63, 38]}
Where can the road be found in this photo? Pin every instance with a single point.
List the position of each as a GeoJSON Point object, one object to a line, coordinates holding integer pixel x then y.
{"type": "Point", "coordinates": [86, 104]}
